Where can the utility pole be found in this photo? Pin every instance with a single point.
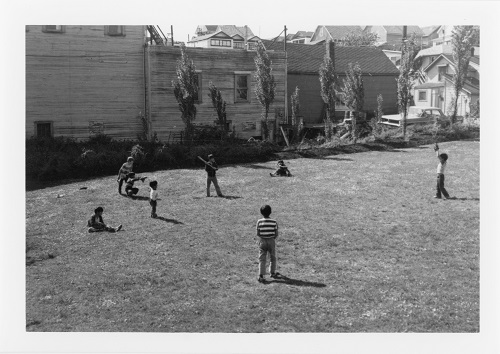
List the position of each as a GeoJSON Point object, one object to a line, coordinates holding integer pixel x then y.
{"type": "Point", "coordinates": [286, 81]}
{"type": "Point", "coordinates": [172, 32]}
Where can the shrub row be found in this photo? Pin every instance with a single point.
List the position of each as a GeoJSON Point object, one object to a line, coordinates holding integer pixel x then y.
{"type": "Point", "coordinates": [53, 159]}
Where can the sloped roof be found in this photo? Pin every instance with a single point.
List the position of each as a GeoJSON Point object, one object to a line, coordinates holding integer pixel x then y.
{"type": "Point", "coordinates": [409, 30]}
{"type": "Point", "coordinates": [232, 29]}
{"type": "Point", "coordinates": [468, 86]}
{"type": "Point", "coordinates": [428, 30]}
{"type": "Point", "coordinates": [302, 34]}
{"type": "Point", "coordinates": [429, 85]}
{"type": "Point", "coordinates": [304, 58]}
{"type": "Point", "coordinates": [434, 50]}
{"type": "Point", "coordinates": [339, 32]}
{"type": "Point", "coordinates": [219, 34]}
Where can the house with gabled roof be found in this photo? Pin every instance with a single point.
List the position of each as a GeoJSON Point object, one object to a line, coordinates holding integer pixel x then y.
{"type": "Point", "coordinates": [222, 40]}
{"type": "Point", "coordinates": [435, 88]}
{"type": "Point", "coordinates": [301, 37]}
{"type": "Point", "coordinates": [304, 61]}
{"type": "Point", "coordinates": [333, 33]}
{"type": "Point", "coordinates": [391, 37]}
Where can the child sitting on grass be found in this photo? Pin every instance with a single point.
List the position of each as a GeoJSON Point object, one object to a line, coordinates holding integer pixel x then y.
{"type": "Point", "coordinates": [443, 159]}
{"type": "Point", "coordinates": [282, 170]}
{"type": "Point", "coordinates": [267, 231]}
{"type": "Point", "coordinates": [96, 223]}
{"type": "Point", "coordinates": [153, 196]}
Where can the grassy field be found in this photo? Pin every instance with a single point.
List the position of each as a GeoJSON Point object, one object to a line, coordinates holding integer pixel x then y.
{"type": "Point", "coordinates": [364, 246]}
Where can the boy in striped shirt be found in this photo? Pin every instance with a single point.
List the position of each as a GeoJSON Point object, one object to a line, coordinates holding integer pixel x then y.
{"type": "Point", "coordinates": [267, 231]}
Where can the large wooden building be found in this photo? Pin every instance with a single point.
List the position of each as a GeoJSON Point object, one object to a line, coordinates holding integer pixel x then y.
{"type": "Point", "coordinates": [86, 80]}
{"type": "Point", "coordinates": [304, 61]}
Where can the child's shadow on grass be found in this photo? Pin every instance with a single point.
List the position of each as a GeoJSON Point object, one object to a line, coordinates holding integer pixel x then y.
{"type": "Point", "coordinates": [296, 282]}
{"type": "Point", "coordinates": [455, 198]}
{"type": "Point", "coordinates": [231, 197]}
{"type": "Point", "coordinates": [138, 197]}
{"type": "Point", "coordinates": [173, 221]}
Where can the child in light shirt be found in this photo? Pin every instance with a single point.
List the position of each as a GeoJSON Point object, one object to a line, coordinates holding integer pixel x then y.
{"type": "Point", "coordinates": [153, 196]}
{"type": "Point", "coordinates": [443, 159]}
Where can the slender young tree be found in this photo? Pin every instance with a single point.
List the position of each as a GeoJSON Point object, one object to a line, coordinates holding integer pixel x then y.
{"type": "Point", "coordinates": [328, 80]}
{"type": "Point", "coordinates": [219, 105]}
{"type": "Point", "coordinates": [353, 94]}
{"type": "Point", "coordinates": [406, 79]}
{"type": "Point", "coordinates": [186, 89]}
{"type": "Point", "coordinates": [265, 86]}
{"type": "Point", "coordinates": [462, 40]}
{"type": "Point", "coordinates": [295, 103]}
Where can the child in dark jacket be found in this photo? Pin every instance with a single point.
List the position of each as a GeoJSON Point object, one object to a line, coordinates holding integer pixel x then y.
{"type": "Point", "coordinates": [282, 170]}
{"type": "Point", "coordinates": [443, 159]}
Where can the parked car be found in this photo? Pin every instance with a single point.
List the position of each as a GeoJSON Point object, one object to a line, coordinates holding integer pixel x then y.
{"type": "Point", "coordinates": [416, 114]}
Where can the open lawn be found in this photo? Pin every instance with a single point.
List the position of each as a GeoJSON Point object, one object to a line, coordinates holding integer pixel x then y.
{"type": "Point", "coordinates": [364, 246]}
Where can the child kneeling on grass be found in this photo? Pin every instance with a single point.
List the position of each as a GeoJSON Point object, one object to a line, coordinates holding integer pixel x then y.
{"type": "Point", "coordinates": [282, 170]}
{"type": "Point", "coordinates": [96, 223]}
{"type": "Point", "coordinates": [130, 190]}
{"type": "Point", "coordinates": [267, 231]}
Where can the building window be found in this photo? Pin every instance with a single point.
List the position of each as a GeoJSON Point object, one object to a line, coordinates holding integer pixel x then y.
{"type": "Point", "coordinates": [220, 43]}
{"type": "Point", "coordinates": [198, 96]}
{"type": "Point", "coordinates": [394, 59]}
{"type": "Point", "coordinates": [114, 31]}
{"type": "Point", "coordinates": [441, 71]}
{"type": "Point", "coordinates": [53, 28]}
{"type": "Point", "coordinates": [238, 45]}
{"type": "Point", "coordinates": [422, 95]}
{"type": "Point", "coordinates": [252, 45]}
{"type": "Point", "coordinates": [43, 129]}
{"type": "Point", "coordinates": [241, 83]}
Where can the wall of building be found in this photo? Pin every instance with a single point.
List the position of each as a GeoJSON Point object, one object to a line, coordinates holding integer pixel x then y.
{"type": "Point", "coordinates": [84, 81]}
{"type": "Point", "coordinates": [217, 66]}
{"type": "Point", "coordinates": [311, 103]}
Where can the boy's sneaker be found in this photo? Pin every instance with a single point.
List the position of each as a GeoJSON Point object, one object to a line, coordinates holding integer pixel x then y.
{"type": "Point", "coordinates": [275, 275]}
{"type": "Point", "coordinates": [437, 197]}
{"type": "Point", "coordinates": [261, 279]}
{"type": "Point", "coordinates": [91, 229]}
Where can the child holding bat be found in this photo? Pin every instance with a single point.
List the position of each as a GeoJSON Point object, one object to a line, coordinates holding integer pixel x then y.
{"type": "Point", "coordinates": [211, 167]}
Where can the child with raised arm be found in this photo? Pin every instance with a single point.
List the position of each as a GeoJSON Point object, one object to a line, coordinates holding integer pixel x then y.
{"type": "Point", "coordinates": [443, 159]}
{"type": "Point", "coordinates": [267, 232]}
{"type": "Point", "coordinates": [282, 170]}
{"type": "Point", "coordinates": [130, 190]}
{"type": "Point", "coordinates": [96, 223]}
{"type": "Point", "coordinates": [211, 167]}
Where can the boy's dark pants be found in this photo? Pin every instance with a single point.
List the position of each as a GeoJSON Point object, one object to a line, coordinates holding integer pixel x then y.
{"type": "Point", "coordinates": [440, 186]}
{"type": "Point", "coordinates": [153, 206]}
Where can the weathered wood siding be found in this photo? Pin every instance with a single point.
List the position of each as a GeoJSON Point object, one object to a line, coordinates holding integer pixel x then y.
{"type": "Point", "coordinates": [311, 103]}
{"type": "Point", "coordinates": [217, 66]}
{"type": "Point", "coordinates": [82, 78]}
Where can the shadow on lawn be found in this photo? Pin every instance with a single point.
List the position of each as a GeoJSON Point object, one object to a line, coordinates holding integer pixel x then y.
{"type": "Point", "coordinates": [296, 282]}
{"type": "Point", "coordinates": [455, 198]}
{"type": "Point", "coordinates": [173, 221]}
{"type": "Point", "coordinates": [257, 167]}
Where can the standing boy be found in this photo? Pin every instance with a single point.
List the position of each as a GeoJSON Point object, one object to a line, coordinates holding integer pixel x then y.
{"type": "Point", "coordinates": [96, 223]}
{"type": "Point", "coordinates": [124, 171]}
{"type": "Point", "coordinates": [153, 195]}
{"type": "Point", "coordinates": [440, 190]}
{"type": "Point", "coordinates": [211, 167]}
{"type": "Point", "coordinates": [267, 231]}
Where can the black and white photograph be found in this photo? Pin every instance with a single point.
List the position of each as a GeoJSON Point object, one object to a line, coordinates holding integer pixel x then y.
{"type": "Point", "coordinates": [257, 177]}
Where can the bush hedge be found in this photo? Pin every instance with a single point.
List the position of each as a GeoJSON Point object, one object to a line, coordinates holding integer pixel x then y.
{"type": "Point", "coordinates": [55, 159]}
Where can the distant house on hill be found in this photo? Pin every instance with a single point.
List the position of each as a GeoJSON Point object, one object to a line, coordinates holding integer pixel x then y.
{"type": "Point", "coordinates": [429, 34]}
{"type": "Point", "coordinates": [391, 37]}
{"type": "Point", "coordinates": [301, 37]}
{"type": "Point", "coordinates": [303, 62]}
{"type": "Point", "coordinates": [334, 33]}
{"type": "Point", "coordinates": [223, 36]}
{"type": "Point", "coordinates": [436, 86]}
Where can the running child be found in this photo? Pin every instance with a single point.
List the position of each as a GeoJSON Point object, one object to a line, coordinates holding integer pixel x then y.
{"type": "Point", "coordinates": [96, 223]}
